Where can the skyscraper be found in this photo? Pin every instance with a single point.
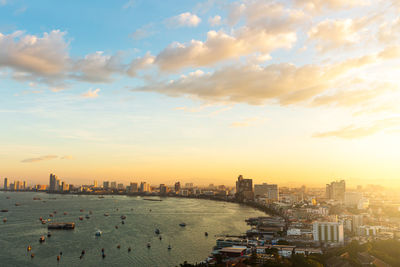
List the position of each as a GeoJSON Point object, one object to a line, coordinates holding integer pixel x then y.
{"type": "Point", "coordinates": [177, 187]}
{"type": "Point", "coordinates": [95, 184]}
{"type": "Point", "coordinates": [133, 187]}
{"type": "Point", "coordinates": [269, 191]}
{"type": "Point", "coordinates": [106, 185]}
{"type": "Point", "coordinates": [336, 190]}
{"type": "Point", "coordinates": [244, 189]}
{"type": "Point", "coordinates": [6, 185]}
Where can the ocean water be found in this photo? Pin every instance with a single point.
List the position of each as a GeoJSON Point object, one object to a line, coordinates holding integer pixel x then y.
{"type": "Point", "coordinates": [188, 243]}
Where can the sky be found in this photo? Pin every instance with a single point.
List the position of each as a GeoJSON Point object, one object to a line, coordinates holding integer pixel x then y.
{"type": "Point", "coordinates": [290, 92]}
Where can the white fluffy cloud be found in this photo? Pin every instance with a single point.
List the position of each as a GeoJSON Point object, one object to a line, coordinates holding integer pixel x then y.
{"type": "Point", "coordinates": [46, 55]}
{"type": "Point", "coordinates": [215, 21]}
{"type": "Point", "coordinates": [91, 93]}
{"type": "Point", "coordinates": [186, 19]}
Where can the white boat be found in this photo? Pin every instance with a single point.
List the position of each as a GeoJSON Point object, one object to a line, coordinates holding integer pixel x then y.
{"type": "Point", "coordinates": [98, 233]}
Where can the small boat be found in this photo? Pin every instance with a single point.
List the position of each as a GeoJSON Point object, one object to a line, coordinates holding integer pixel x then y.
{"type": "Point", "coordinates": [4, 220]}
{"type": "Point", "coordinates": [55, 212]}
{"type": "Point", "coordinates": [40, 219]}
{"type": "Point", "coordinates": [42, 239]}
{"type": "Point", "coordinates": [51, 215]}
{"type": "Point", "coordinates": [81, 210]}
{"type": "Point", "coordinates": [119, 246]}
{"type": "Point", "coordinates": [123, 222]}
{"type": "Point", "coordinates": [148, 244]}
{"type": "Point", "coordinates": [90, 212]}
{"type": "Point", "coordinates": [83, 252]}
{"type": "Point", "coordinates": [58, 257]}
{"type": "Point", "coordinates": [87, 216]}
{"type": "Point", "coordinates": [129, 249]}
{"type": "Point", "coordinates": [106, 214]}
{"type": "Point", "coordinates": [206, 234]}
{"type": "Point", "coordinates": [32, 255]}
{"type": "Point", "coordinates": [157, 231]}
{"type": "Point", "coordinates": [37, 198]}
{"type": "Point", "coordinates": [81, 218]}
{"type": "Point", "coordinates": [182, 224]}
{"type": "Point", "coordinates": [160, 237]}
{"type": "Point", "coordinates": [29, 248]}
{"type": "Point", "coordinates": [123, 217]}
{"type": "Point", "coordinates": [98, 233]}
{"type": "Point", "coordinates": [44, 222]}
{"type": "Point", "coordinates": [48, 234]}
{"type": "Point", "coordinates": [65, 213]}
{"type": "Point", "coordinates": [4, 210]}
{"type": "Point", "coordinates": [17, 204]}
{"type": "Point", "coordinates": [169, 247]}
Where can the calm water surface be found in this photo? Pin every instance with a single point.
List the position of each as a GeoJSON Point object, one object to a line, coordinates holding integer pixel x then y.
{"type": "Point", "coordinates": [188, 243]}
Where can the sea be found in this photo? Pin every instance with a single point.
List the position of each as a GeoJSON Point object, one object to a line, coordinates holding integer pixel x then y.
{"type": "Point", "coordinates": [189, 243]}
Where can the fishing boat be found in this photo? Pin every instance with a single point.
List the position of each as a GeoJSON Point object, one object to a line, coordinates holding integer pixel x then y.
{"type": "Point", "coordinates": [157, 231]}
{"type": "Point", "coordinates": [98, 233]}
{"type": "Point", "coordinates": [182, 224]}
{"type": "Point", "coordinates": [123, 217]}
{"type": "Point", "coordinates": [81, 218]}
{"type": "Point", "coordinates": [169, 247]}
{"type": "Point", "coordinates": [42, 239]}
{"type": "Point", "coordinates": [106, 214]}
{"type": "Point", "coordinates": [206, 234]}
{"type": "Point", "coordinates": [148, 244]}
{"type": "Point", "coordinates": [87, 216]}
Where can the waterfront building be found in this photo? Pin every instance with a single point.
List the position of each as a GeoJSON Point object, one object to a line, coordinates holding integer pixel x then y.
{"type": "Point", "coordinates": [95, 184]}
{"type": "Point", "coordinates": [6, 184]}
{"type": "Point", "coordinates": [336, 190]}
{"type": "Point", "coordinates": [120, 186]}
{"type": "Point", "coordinates": [269, 191]}
{"type": "Point", "coordinates": [64, 187]}
{"type": "Point", "coordinates": [189, 185]}
{"type": "Point", "coordinates": [163, 189]}
{"type": "Point", "coordinates": [328, 232]}
{"type": "Point", "coordinates": [133, 188]}
{"type": "Point", "coordinates": [106, 185]}
{"type": "Point", "coordinates": [114, 185]}
{"type": "Point", "coordinates": [144, 187]}
{"type": "Point", "coordinates": [177, 187]}
{"type": "Point", "coordinates": [244, 189]}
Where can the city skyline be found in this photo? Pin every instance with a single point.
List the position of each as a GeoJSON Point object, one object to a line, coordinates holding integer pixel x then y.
{"type": "Point", "coordinates": [289, 92]}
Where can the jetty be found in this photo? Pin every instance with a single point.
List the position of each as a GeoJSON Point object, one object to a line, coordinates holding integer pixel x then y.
{"type": "Point", "coordinates": [61, 226]}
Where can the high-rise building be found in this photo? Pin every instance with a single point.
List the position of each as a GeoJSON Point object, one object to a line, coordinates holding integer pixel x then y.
{"type": "Point", "coordinates": [163, 189]}
{"type": "Point", "coordinates": [351, 199]}
{"type": "Point", "coordinates": [328, 232]}
{"type": "Point", "coordinates": [55, 183]}
{"type": "Point", "coordinates": [113, 185]}
{"type": "Point", "coordinates": [106, 185]}
{"type": "Point", "coordinates": [144, 187]}
{"type": "Point", "coordinates": [120, 186]}
{"type": "Point", "coordinates": [133, 187]}
{"type": "Point", "coordinates": [244, 189]}
{"type": "Point", "coordinates": [177, 187]}
{"type": "Point", "coordinates": [6, 184]}
{"type": "Point", "coordinates": [269, 191]}
{"type": "Point", "coordinates": [95, 184]}
{"type": "Point", "coordinates": [336, 190]}
{"type": "Point", "coordinates": [24, 185]}
{"type": "Point", "coordinates": [189, 185]}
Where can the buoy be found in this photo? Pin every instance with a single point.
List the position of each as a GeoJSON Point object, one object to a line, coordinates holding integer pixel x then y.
{"type": "Point", "coordinates": [32, 255]}
{"type": "Point", "coordinates": [29, 248]}
{"type": "Point", "coordinates": [83, 252]}
{"type": "Point", "coordinates": [119, 246]}
{"type": "Point", "coordinates": [129, 249]}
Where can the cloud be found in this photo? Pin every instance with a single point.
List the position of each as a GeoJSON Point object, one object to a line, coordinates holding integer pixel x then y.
{"type": "Point", "coordinates": [253, 84]}
{"type": "Point", "coordinates": [353, 131]}
{"type": "Point", "coordinates": [317, 6]}
{"type": "Point", "coordinates": [67, 157]}
{"type": "Point", "coordinates": [3, 2]}
{"type": "Point", "coordinates": [215, 21]}
{"type": "Point", "coordinates": [143, 32]}
{"type": "Point", "coordinates": [186, 19]}
{"type": "Point", "coordinates": [42, 158]}
{"type": "Point", "coordinates": [140, 63]}
{"type": "Point", "coordinates": [46, 55]}
{"type": "Point", "coordinates": [129, 4]}
{"type": "Point", "coordinates": [331, 34]}
{"type": "Point", "coordinates": [91, 93]}
{"type": "Point", "coordinates": [98, 67]}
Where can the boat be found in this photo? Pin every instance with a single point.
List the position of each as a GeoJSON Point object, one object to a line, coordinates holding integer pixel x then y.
{"type": "Point", "coordinates": [61, 226]}
{"type": "Point", "coordinates": [106, 214]}
{"type": "Point", "coordinates": [81, 210]}
{"type": "Point", "coordinates": [4, 210]}
{"type": "Point", "coordinates": [160, 237]}
{"type": "Point", "coordinates": [58, 257]}
{"type": "Point", "coordinates": [4, 220]}
{"type": "Point", "coordinates": [42, 239]}
{"type": "Point", "coordinates": [65, 213]}
{"type": "Point", "coordinates": [51, 215]}
{"type": "Point", "coordinates": [182, 224]}
{"type": "Point", "coordinates": [44, 221]}
{"type": "Point", "coordinates": [129, 249]}
{"type": "Point", "coordinates": [98, 233]}
{"type": "Point", "coordinates": [37, 198]}
{"type": "Point", "coordinates": [116, 227]}
{"type": "Point", "coordinates": [148, 244]}
{"type": "Point", "coordinates": [32, 255]}
{"type": "Point", "coordinates": [29, 248]}
{"type": "Point", "coordinates": [119, 246]}
{"type": "Point", "coordinates": [123, 222]}
{"type": "Point", "coordinates": [169, 247]}
{"type": "Point", "coordinates": [81, 218]}
{"type": "Point", "coordinates": [157, 231]}
{"type": "Point", "coordinates": [48, 234]}
{"type": "Point", "coordinates": [87, 216]}
{"type": "Point", "coordinates": [17, 204]}
{"type": "Point", "coordinates": [123, 217]}
{"type": "Point", "coordinates": [206, 234]}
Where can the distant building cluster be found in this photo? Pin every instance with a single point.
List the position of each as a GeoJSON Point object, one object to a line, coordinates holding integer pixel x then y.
{"type": "Point", "coordinates": [15, 186]}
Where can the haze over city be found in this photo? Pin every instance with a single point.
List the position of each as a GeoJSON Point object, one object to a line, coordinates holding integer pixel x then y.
{"type": "Point", "coordinates": [289, 92]}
